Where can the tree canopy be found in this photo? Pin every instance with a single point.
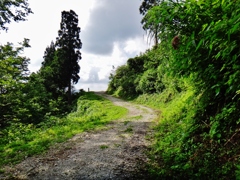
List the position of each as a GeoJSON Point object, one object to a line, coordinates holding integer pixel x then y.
{"type": "Point", "coordinates": [16, 10]}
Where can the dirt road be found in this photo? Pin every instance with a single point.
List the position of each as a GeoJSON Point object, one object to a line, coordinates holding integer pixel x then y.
{"type": "Point", "coordinates": [115, 152]}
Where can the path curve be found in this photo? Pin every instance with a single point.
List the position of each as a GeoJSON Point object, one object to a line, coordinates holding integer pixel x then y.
{"type": "Point", "coordinates": [116, 152]}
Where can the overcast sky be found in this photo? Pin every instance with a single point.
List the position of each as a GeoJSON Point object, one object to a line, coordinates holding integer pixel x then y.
{"type": "Point", "coordinates": [111, 33]}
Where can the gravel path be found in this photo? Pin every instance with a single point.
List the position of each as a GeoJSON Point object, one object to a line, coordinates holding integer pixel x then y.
{"type": "Point", "coordinates": [115, 152]}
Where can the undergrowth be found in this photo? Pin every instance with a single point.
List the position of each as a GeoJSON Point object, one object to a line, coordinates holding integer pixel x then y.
{"type": "Point", "coordinates": [20, 140]}
{"type": "Point", "coordinates": [176, 113]}
{"type": "Point", "coordinates": [181, 149]}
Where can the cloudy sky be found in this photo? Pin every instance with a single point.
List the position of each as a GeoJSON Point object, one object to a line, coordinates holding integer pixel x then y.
{"type": "Point", "coordinates": [111, 33]}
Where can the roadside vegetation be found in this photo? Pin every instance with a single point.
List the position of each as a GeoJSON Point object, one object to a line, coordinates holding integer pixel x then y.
{"type": "Point", "coordinates": [91, 112]}
{"type": "Point", "coordinates": [191, 76]}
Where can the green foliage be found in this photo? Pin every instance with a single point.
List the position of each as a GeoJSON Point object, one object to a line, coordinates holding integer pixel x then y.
{"type": "Point", "coordinates": [149, 20]}
{"type": "Point", "coordinates": [13, 10]}
{"type": "Point", "coordinates": [13, 77]}
{"type": "Point", "coordinates": [149, 83]}
{"type": "Point", "coordinates": [139, 75]}
{"type": "Point", "coordinates": [195, 87]}
{"type": "Point", "coordinates": [50, 71]}
{"type": "Point", "coordinates": [212, 57]}
{"type": "Point", "coordinates": [23, 98]}
{"type": "Point", "coordinates": [37, 103]}
{"type": "Point", "coordinates": [123, 83]}
{"type": "Point", "coordinates": [34, 98]}
{"type": "Point", "coordinates": [21, 140]}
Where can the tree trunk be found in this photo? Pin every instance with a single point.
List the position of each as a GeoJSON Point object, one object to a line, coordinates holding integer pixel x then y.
{"type": "Point", "coordinates": [69, 92]}
{"type": "Point", "coordinates": [155, 38]}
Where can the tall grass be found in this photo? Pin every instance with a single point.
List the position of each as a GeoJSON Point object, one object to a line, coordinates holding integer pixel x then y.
{"type": "Point", "coordinates": [22, 140]}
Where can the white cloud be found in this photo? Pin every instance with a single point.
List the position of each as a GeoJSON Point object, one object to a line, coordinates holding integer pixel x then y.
{"type": "Point", "coordinates": [135, 45]}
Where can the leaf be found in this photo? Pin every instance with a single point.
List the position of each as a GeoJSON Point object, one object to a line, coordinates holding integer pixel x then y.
{"type": "Point", "coordinates": [215, 2]}
{"type": "Point", "coordinates": [212, 23]}
{"type": "Point", "coordinates": [223, 1]}
{"type": "Point", "coordinates": [210, 47]}
{"type": "Point", "coordinates": [219, 135]}
{"type": "Point", "coordinates": [204, 26]}
{"type": "Point", "coordinates": [199, 44]}
{"type": "Point", "coordinates": [218, 55]}
{"type": "Point", "coordinates": [235, 27]}
{"type": "Point", "coordinates": [217, 91]}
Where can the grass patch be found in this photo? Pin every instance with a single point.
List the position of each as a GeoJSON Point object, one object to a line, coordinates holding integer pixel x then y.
{"type": "Point", "coordinates": [20, 140]}
{"type": "Point", "coordinates": [104, 147]}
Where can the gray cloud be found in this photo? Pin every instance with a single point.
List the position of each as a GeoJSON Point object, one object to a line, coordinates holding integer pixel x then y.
{"type": "Point", "coordinates": [111, 21]}
{"type": "Point", "coordinates": [94, 77]}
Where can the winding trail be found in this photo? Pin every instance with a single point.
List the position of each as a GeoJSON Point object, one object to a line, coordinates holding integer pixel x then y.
{"type": "Point", "coordinates": [115, 152]}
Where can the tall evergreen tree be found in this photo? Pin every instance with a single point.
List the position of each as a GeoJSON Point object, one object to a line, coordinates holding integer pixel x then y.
{"type": "Point", "coordinates": [49, 55]}
{"type": "Point", "coordinates": [68, 50]}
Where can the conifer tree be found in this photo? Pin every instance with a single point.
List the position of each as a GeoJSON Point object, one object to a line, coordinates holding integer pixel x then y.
{"type": "Point", "coordinates": [50, 71]}
{"type": "Point", "coordinates": [68, 47]}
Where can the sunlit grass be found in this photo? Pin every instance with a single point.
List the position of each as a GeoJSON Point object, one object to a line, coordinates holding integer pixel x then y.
{"type": "Point", "coordinates": [177, 110]}
{"type": "Point", "coordinates": [20, 141]}
{"type": "Point", "coordinates": [176, 113]}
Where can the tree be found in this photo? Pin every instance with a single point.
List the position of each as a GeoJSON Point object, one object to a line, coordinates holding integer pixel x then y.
{"type": "Point", "coordinates": [13, 77]}
{"type": "Point", "coordinates": [153, 27]}
{"type": "Point", "coordinates": [49, 55]}
{"type": "Point", "coordinates": [50, 71]}
{"type": "Point", "coordinates": [146, 5]}
{"type": "Point", "coordinates": [159, 21]}
{"type": "Point", "coordinates": [7, 13]}
{"type": "Point", "coordinates": [68, 50]}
